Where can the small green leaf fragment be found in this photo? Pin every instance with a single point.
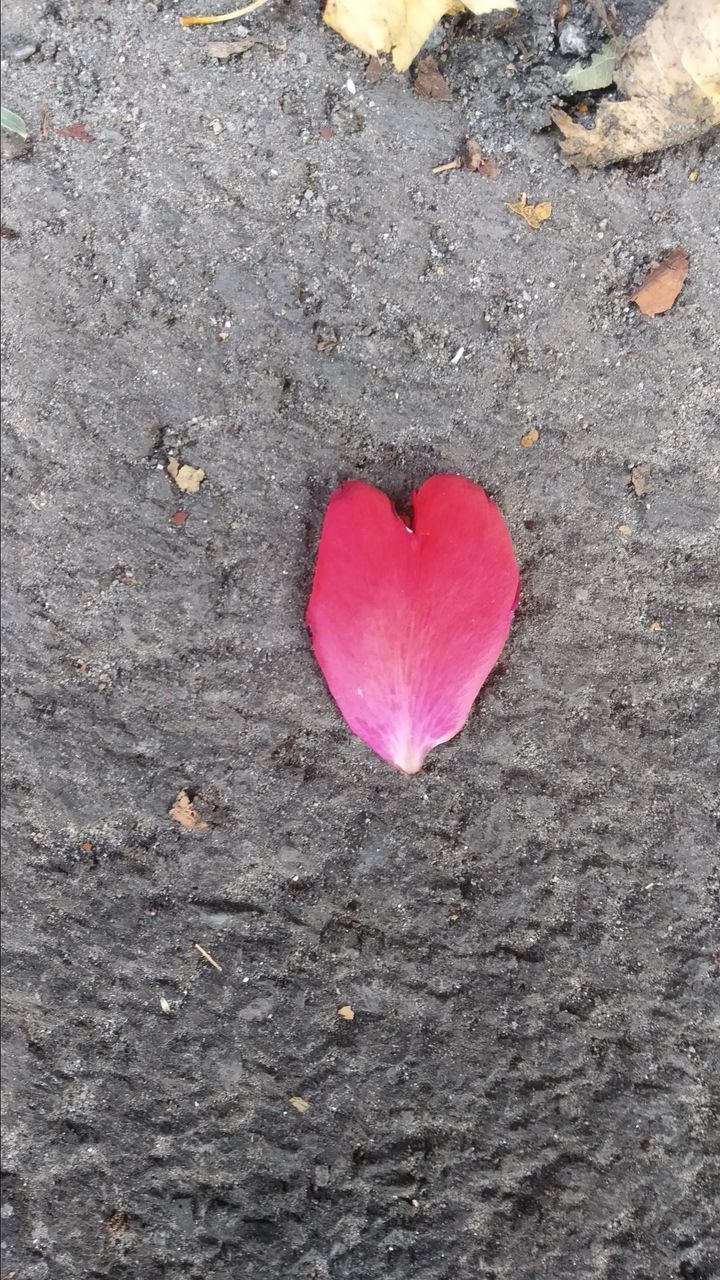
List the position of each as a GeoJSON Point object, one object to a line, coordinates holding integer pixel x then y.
{"type": "Point", "coordinates": [13, 123]}
{"type": "Point", "coordinates": [599, 73]}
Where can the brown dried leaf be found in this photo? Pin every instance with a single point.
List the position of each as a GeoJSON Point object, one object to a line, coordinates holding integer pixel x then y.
{"type": "Point", "coordinates": [530, 438]}
{"type": "Point", "coordinates": [670, 73]}
{"type": "Point", "coordinates": [662, 284]}
{"type": "Point", "coordinates": [77, 131]}
{"type": "Point", "coordinates": [373, 71]}
{"type": "Point", "coordinates": [184, 812]}
{"type": "Point", "coordinates": [186, 478]}
{"type": "Point", "coordinates": [429, 81]}
{"type": "Point", "coordinates": [534, 214]}
{"type": "Point", "coordinates": [8, 233]}
{"type": "Point", "coordinates": [640, 479]}
{"type": "Point", "coordinates": [474, 160]}
{"type": "Point", "coordinates": [347, 1012]}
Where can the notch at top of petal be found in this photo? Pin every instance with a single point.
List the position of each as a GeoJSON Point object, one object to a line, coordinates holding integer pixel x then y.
{"type": "Point", "coordinates": [407, 623]}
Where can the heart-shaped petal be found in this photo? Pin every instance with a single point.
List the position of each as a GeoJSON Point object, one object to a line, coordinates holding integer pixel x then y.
{"type": "Point", "coordinates": [407, 623]}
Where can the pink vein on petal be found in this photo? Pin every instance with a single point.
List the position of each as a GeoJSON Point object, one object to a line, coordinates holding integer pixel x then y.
{"type": "Point", "coordinates": [408, 623]}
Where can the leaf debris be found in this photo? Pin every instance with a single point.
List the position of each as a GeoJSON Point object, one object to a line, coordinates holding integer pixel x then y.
{"type": "Point", "coordinates": [224, 50]}
{"type": "Point", "coordinates": [186, 477]}
{"type": "Point", "coordinates": [473, 159]}
{"type": "Point", "coordinates": [399, 27]}
{"type": "Point", "coordinates": [77, 131]}
{"type": "Point", "coordinates": [640, 479]}
{"type": "Point", "coordinates": [430, 82]}
{"type": "Point", "coordinates": [661, 286]}
{"type": "Point", "coordinates": [184, 812]}
{"type": "Point", "coordinates": [670, 74]}
{"type": "Point", "coordinates": [533, 214]}
{"type": "Point", "coordinates": [299, 1104]}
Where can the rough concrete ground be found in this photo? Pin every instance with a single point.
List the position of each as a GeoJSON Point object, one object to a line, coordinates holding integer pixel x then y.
{"type": "Point", "coordinates": [526, 932]}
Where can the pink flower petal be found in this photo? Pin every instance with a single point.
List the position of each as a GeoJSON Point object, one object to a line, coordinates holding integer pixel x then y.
{"type": "Point", "coordinates": [407, 623]}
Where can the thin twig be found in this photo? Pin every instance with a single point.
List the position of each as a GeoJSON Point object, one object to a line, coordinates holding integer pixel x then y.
{"type": "Point", "coordinates": [206, 956]}
{"type": "Point", "coordinates": [223, 17]}
{"type": "Point", "coordinates": [444, 168]}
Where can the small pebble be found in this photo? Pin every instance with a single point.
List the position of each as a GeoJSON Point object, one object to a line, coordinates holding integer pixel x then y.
{"type": "Point", "coordinates": [23, 52]}
{"type": "Point", "coordinates": [572, 40]}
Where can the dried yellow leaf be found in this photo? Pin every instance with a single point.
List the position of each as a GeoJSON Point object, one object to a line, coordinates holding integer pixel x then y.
{"type": "Point", "coordinates": [670, 74]}
{"type": "Point", "coordinates": [399, 27]}
{"type": "Point", "coordinates": [299, 1104]}
{"type": "Point", "coordinates": [530, 438]}
{"type": "Point", "coordinates": [186, 478]}
{"type": "Point", "coordinates": [347, 1012]}
{"type": "Point", "coordinates": [183, 811]}
{"type": "Point", "coordinates": [534, 214]}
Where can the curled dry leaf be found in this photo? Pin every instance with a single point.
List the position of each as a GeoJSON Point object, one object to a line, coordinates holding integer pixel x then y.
{"type": "Point", "coordinates": [299, 1104]}
{"type": "Point", "coordinates": [670, 74]}
{"type": "Point", "coordinates": [399, 27]}
{"type": "Point", "coordinates": [186, 478]}
{"type": "Point", "coordinates": [429, 81]}
{"type": "Point", "coordinates": [473, 159]}
{"type": "Point", "coordinates": [183, 811]}
{"type": "Point", "coordinates": [662, 284]}
{"type": "Point", "coordinates": [407, 622]}
{"type": "Point", "coordinates": [534, 214]}
{"type": "Point", "coordinates": [640, 479]}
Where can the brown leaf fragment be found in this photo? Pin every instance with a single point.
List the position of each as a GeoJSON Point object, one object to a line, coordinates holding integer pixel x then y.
{"type": "Point", "coordinates": [224, 50]}
{"type": "Point", "coordinates": [670, 76]}
{"type": "Point", "coordinates": [530, 438]}
{"type": "Point", "coordinates": [183, 811]}
{"type": "Point", "coordinates": [186, 477]}
{"type": "Point", "coordinates": [373, 71]}
{"type": "Point", "coordinates": [662, 284]}
{"type": "Point", "coordinates": [474, 160]}
{"type": "Point", "coordinates": [640, 479]}
{"type": "Point", "coordinates": [429, 81]}
{"type": "Point", "coordinates": [77, 131]}
{"type": "Point", "coordinates": [178, 518]}
{"type": "Point", "coordinates": [347, 1012]}
{"type": "Point", "coordinates": [534, 214]}
{"type": "Point", "coordinates": [116, 1224]}
{"type": "Point", "coordinates": [8, 233]}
